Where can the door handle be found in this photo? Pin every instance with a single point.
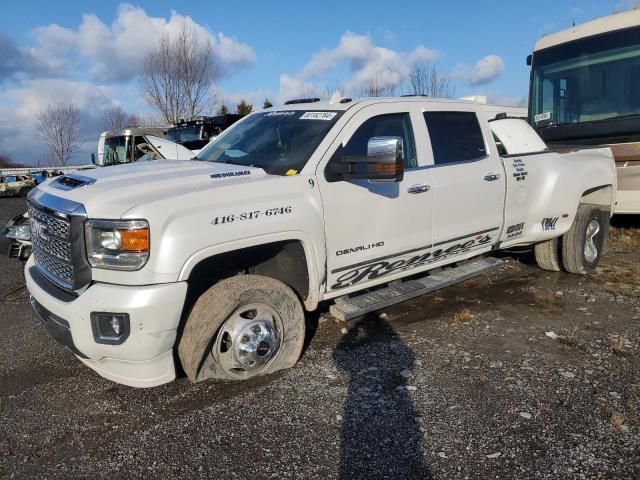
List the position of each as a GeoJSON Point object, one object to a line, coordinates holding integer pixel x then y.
{"type": "Point", "coordinates": [492, 177]}
{"type": "Point", "coordinates": [418, 189]}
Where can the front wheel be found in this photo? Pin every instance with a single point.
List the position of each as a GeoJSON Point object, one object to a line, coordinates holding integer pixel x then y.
{"type": "Point", "coordinates": [242, 327]}
{"type": "Point", "coordinates": [584, 243]}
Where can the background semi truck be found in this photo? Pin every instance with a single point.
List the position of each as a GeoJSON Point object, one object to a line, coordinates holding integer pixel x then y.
{"type": "Point", "coordinates": [585, 90]}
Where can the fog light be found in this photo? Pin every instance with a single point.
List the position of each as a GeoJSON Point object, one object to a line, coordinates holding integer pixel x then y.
{"type": "Point", "coordinates": [110, 328]}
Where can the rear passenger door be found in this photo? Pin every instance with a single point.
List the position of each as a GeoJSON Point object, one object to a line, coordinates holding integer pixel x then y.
{"type": "Point", "coordinates": [468, 181]}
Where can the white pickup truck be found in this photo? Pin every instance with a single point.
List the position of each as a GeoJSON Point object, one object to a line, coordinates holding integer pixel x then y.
{"type": "Point", "coordinates": [208, 265]}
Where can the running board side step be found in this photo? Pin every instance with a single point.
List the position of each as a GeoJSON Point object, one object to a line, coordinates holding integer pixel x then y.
{"type": "Point", "coordinates": [346, 308]}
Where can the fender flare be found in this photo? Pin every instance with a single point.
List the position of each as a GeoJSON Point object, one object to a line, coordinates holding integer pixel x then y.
{"type": "Point", "coordinates": [310, 252]}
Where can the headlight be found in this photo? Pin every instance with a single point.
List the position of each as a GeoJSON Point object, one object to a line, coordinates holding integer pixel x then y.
{"type": "Point", "coordinates": [20, 232]}
{"type": "Point", "coordinates": [117, 244]}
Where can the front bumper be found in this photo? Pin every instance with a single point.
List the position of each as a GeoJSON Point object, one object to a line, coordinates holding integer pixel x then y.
{"type": "Point", "coordinates": [146, 358]}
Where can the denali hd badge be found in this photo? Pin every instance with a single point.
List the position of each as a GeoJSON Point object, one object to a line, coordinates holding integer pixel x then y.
{"type": "Point", "coordinates": [359, 248]}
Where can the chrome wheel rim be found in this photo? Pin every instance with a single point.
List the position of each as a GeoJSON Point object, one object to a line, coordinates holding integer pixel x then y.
{"type": "Point", "coordinates": [248, 340]}
{"type": "Point", "coordinates": [590, 247]}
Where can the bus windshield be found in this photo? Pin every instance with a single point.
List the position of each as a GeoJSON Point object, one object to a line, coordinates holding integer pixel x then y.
{"type": "Point", "coordinates": [587, 80]}
{"type": "Point", "coordinates": [115, 150]}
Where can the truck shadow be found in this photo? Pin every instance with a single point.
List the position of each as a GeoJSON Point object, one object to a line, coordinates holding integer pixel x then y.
{"type": "Point", "coordinates": [381, 432]}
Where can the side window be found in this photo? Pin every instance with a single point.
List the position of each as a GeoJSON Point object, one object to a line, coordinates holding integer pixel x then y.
{"type": "Point", "coordinates": [137, 153]}
{"type": "Point", "coordinates": [392, 125]}
{"type": "Point", "coordinates": [455, 137]}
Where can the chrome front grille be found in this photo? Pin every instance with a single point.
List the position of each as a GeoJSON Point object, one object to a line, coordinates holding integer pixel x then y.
{"type": "Point", "coordinates": [57, 237]}
{"type": "Point", "coordinates": [59, 227]}
{"type": "Point", "coordinates": [51, 243]}
{"type": "Point", "coordinates": [60, 249]}
{"type": "Point", "coordinates": [54, 267]}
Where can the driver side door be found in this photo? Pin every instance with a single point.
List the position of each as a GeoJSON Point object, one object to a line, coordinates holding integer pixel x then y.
{"type": "Point", "coordinates": [373, 229]}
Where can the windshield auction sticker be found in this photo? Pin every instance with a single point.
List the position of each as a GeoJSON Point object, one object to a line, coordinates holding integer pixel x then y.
{"type": "Point", "coordinates": [541, 117]}
{"type": "Point", "coordinates": [318, 116]}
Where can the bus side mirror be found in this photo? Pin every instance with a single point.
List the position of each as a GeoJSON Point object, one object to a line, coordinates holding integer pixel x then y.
{"type": "Point", "coordinates": [529, 60]}
{"type": "Point", "coordinates": [93, 158]}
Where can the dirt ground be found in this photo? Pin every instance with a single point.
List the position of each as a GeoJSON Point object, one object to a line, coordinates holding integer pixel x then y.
{"type": "Point", "coordinates": [517, 374]}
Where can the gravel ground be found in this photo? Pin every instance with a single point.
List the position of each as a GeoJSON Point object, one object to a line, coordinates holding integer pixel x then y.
{"type": "Point", "coordinates": [517, 374]}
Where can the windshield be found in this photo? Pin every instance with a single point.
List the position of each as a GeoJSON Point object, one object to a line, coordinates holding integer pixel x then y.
{"type": "Point", "coordinates": [115, 150]}
{"type": "Point", "coordinates": [184, 134]}
{"type": "Point", "coordinates": [591, 79]}
{"type": "Point", "coordinates": [278, 142]}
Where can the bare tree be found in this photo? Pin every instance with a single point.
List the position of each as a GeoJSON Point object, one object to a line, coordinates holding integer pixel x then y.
{"type": "Point", "coordinates": [178, 76]}
{"type": "Point", "coordinates": [374, 87]}
{"type": "Point", "coordinates": [59, 126]}
{"type": "Point", "coordinates": [425, 80]}
{"type": "Point", "coordinates": [116, 118]}
{"type": "Point", "coordinates": [135, 120]}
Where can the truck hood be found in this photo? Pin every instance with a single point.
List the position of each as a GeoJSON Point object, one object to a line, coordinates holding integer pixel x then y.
{"type": "Point", "coordinates": [109, 192]}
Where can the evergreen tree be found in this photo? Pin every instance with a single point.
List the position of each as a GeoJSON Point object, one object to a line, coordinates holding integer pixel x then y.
{"type": "Point", "coordinates": [243, 108]}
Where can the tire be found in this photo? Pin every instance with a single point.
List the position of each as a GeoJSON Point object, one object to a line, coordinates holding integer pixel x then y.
{"type": "Point", "coordinates": [25, 191]}
{"type": "Point", "coordinates": [240, 320]}
{"type": "Point", "coordinates": [548, 255]}
{"type": "Point", "coordinates": [585, 242]}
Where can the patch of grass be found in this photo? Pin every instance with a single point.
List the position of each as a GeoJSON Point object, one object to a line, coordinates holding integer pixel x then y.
{"type": "Point", "coordinates": [619, 421]}
{"type": "Point", "coordinates": [626, 238]}
{"type": "Point", "coordinates": [463, 315]}
{"type": "Point", "coordinates": [617, 345]}
{"type": "Point", "coordinates": [571, 339]}
{"type": "Point", "coordinates": [621, 289]}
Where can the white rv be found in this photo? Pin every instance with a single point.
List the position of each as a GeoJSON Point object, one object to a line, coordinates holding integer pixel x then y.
{"type": "Point", "coordinates": [585, 90]}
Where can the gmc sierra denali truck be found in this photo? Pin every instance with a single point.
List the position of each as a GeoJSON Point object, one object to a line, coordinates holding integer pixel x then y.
{"type": "Point", "coordinates": [208, 265]}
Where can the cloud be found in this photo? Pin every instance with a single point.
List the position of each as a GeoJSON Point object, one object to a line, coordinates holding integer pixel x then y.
{"type": "Point", "coordinates": [496, 98]}
{"type": "Point", "coordinates": [116, 52]}
{"type": "Point", "coordinates": [484, 71]}
{"type": "Point", "coordinates": [366, 62]}
{"type": "Point", "coordinates": [19, 135]}
{"type": "Point", "coordinates": [16, 61]}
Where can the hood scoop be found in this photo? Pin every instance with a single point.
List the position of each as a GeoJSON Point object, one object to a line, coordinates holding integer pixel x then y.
{"type": "Point", "coordinates": [71, 181]}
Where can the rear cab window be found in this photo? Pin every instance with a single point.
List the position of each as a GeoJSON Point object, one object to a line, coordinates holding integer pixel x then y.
{"type": "Point", "coordinates": [455, 137]}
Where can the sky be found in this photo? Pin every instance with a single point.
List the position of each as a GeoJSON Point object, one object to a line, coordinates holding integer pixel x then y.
{"type": "Point", "coordinates": [91, 53]}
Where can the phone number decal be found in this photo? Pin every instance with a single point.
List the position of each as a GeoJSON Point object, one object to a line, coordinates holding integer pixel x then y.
{"type": "Point", "coordinates": [253, 215]}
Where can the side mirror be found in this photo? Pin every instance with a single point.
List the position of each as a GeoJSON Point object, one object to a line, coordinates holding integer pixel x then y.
{"type": "Point", "coordinates": [384, 162]}
{"type": "Point", "coordinates": [93, 158]}
{"type": "Point", "coordinates": [529, 60]}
